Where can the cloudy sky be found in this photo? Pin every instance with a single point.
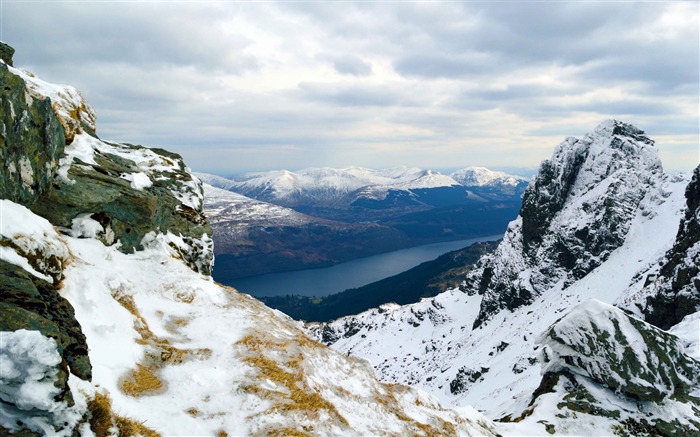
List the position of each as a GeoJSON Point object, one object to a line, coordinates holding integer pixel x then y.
{"type": "Point", "coordinates": [237, 86]}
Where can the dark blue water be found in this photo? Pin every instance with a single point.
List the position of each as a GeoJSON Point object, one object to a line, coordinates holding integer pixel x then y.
{"type": "Point", "coordinates": [351, 274]}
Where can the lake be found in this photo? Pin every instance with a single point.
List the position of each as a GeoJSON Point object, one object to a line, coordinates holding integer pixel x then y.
{"type": "Point", "coordinates": [350, 274]}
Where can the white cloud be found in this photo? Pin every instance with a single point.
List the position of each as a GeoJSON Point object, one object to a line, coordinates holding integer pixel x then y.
{"type": "Point", "coordinates": [264, 85]}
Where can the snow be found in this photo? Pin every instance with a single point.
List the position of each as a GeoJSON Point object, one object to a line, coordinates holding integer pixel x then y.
{"type": "Point", "coordinates": [481, 177]}
{"type": "Point", "coordinates": [85, 227]}
{"type": "Point", "coordinates": [688, 330]}
{"type": "Point", "coordinates": [31, 241]}
{"type": "Point", "coordinates": [139, 180]}
{"type": "Point", "coordinates": [192, 314]}
{"type": "Point", "coordinates": [225, 206]}
{"type": "Point", "coordinates": [29, 366]}
{"type": "Point", "coordinates": [28, 369]}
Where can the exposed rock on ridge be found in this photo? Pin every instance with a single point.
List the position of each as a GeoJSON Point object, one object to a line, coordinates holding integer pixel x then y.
{"type": "Point", "coordinates": [644, 371]}
{"type": "Point", "coordinates": [575, 213]}
{"type": "Point", "coordinates": [675, 292]}
{"type": "Point", "coordinates": [6, 53]}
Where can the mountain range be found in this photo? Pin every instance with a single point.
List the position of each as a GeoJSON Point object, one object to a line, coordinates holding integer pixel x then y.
{"type": "Point", "coordinates": [282, 220]}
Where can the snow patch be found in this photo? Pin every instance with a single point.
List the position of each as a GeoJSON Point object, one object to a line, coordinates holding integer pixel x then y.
{"type": "Point", "coordinates": [139, 180]}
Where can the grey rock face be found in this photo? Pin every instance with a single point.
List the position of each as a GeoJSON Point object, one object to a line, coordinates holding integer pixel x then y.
{"type": "Point", "coordinates": [30, 303]}
{"type": "Point", "coordinates": [6, 53]}
{"type": "Point", "coordinates": [640, 369]}
{"type": "Point", "coordinates": [675, 292]}
{"type": "Point", "coordinates": [31, 141]}
{"type": "Point", "coordinates": [575, 212]}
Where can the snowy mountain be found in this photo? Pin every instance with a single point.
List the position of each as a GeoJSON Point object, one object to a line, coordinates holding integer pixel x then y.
{"type": "Point", "coordinates": [322, 216]}
{"type": "Point", "coordinates": [111, 324]}
{"type": "Point", "coordinates": [254, 237]}
{"type": "Point", "coordinates": [599, 226]}
{"type": "Point", "coordinates": [483, 177]}
{"type": "Point", "coordinates": [344, 214]}
{"type": "Point", "coordinates": [337, 187]}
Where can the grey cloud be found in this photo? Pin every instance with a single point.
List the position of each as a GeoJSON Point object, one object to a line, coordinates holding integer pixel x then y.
{"type": "Point", "coordinates": [350, 65]}
{"type": "Point", "coordinates": [137, 33]}
{"type": "Point", "coordinates": [357, 95]}
{"type": "Point", "coordinates": [151, 70]}
{"type": "Point", "coordinates": [435, 66]}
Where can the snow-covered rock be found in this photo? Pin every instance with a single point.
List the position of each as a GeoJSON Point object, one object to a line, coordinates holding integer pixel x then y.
{"type": "Point", "coordinates": [627, 355]}
{"type": "Point", "coordinates": [32, 396]}
{"type": "Point", "coordinates": [575, 212]}
{"type": "Point", "coordinates": [670, 289]}
{"type": "Point", "coordinates": [614, 371]}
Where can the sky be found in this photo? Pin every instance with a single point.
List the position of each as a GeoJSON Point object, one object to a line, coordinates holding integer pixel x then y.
{"type": "Point", "coordinates": [250, 86]}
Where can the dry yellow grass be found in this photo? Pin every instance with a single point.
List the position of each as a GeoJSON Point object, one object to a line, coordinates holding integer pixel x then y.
{"type": "Point", "coordinates": [193, 412]}
{"type": "Point", "coordinates": [302, 397]}
{"type": "Point", "coordinates": [144, 380]}
{"type": "Point", "coordinates": [141, 381]}
{"type": "Point", "coordinates": [288, 432]}
{"type": "Point", "coordinates": [103, 422]}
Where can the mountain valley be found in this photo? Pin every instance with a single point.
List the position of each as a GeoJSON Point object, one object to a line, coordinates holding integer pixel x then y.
{"type": "Point", "coordinates": [320, 217]}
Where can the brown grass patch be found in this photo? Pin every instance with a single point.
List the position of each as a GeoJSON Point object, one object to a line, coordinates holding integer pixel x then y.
{"type": "Point", "coordinates": [288, 432]}
{"type": "Point", "coordinates": [175, 323]}
{"type": "Point", "coordinates": [103, 421]}
{"type": "Point", "coordinates": [142, 381]}
{"type": "Point", "coordinates": [301, 396]}
{"type": "Point", "coordinates": [193, 412]}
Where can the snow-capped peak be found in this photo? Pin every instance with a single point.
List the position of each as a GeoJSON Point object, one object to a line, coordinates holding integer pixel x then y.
{"type": "Point", "coordinates": [482, 176]}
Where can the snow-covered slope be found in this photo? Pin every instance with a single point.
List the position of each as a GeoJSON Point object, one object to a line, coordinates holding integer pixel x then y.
{"type": "Point", "coordinates": [480, 347]}
{"type": "Point", "coordinates": [188, 357]}
{"type": "Point", "coordinates": [226, 206]}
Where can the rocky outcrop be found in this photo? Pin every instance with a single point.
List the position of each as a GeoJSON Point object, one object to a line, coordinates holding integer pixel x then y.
{"type": "Point", "coordinates": [32, 261]}
{"type": "Point", "coordinates": [129, 196]}
{"type": "Point", "coordinates": [622, 352]}
{"type": "Point", "coordinates": [675, 291]}
{"type": "Point", "coordinates": [602, 362]}
{"type": "Point", "coordinates": [30, 303]}
{"type": "Point", "coordinates": [6, 53]}
{"type": "Point", "coordinates": [574, 214]}
{"type": "Point", "coordinates": [56, 165]}
{"type": "Point", "coordinates": [127, 192]}
{"type": "Point", "coordinates": [31, 140]}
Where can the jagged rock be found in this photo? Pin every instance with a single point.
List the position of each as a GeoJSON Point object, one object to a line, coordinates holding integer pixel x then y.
{"type": "Point", "coordinates": [602, 362]}
{"type": "Point", "coordinates": [675, 292]}
{"type": "Point", "coordinates": [169, 199]}
{"type": "Point", "coordinates": [47, 133]}
{"type": "Point", "coordinates": [31, 140]}
{"type": "Point", "coordinates": [574, 214]}
{"type": "Point", "coordinates": [6, 53]}
{"type": "Point", "coordinates": [623, 353]}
